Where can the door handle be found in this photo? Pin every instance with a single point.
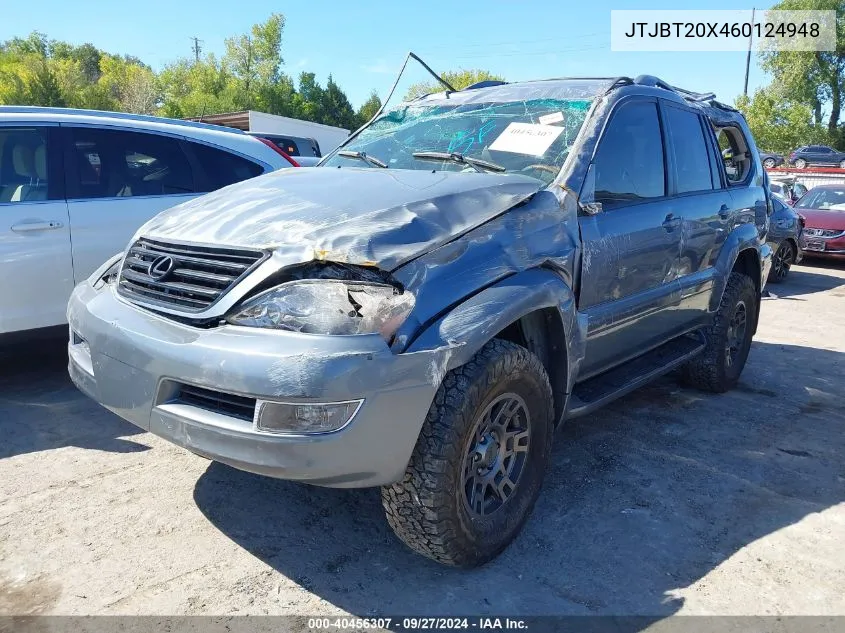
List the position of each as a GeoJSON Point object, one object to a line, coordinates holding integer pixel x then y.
{"type": "Point", "coordinates": [24, 227]}
{"type": "Point", "coordinates": [671, 222]}
{"type": "Point", "coordinates": [724, 212]}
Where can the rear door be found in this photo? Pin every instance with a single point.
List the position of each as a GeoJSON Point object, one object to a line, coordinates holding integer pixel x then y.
{"type": "Point", "coordinates": [629, 284]}
{"type": "Point", "coordinates": [702, 200]}
{"type": "Point", "coordinates": [36, 271]}
{"type": "Point", "coordinates": [117, 180]}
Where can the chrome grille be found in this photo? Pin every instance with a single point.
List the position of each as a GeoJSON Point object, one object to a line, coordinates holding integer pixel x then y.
{"type": "Point", "coordinates": [813, 232]}
{"type": "Point", "coordinates": [190, 278]}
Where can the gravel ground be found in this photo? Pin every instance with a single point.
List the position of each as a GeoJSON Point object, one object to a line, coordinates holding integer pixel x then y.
{"type": "Point", "coordinates": [668, 501]}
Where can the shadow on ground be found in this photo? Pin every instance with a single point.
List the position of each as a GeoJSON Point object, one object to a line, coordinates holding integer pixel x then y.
{"type": "Point", "coordinates": [804, 280]}
{"type": "Point", "coordinates": [37, 399]}
{"type": "Point", "coordinates": [645, 497]}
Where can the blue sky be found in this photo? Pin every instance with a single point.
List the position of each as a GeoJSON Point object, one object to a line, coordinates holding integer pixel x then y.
{"type": "Point", "coordinates": [362, 44]}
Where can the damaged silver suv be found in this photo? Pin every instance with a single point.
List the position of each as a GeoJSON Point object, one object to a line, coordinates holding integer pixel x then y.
{"type": "Point", "coordinates": [422, 310]}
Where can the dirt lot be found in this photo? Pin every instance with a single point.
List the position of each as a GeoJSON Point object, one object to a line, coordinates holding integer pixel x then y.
{"type": "Point", "coordinates": [668, 501]}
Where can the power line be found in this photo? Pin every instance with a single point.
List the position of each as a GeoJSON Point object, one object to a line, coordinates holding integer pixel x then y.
{"type": "Point", "coordinates": [197, 48]}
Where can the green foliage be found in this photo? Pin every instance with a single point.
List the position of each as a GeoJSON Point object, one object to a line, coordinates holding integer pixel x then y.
{"type": "Point", "coordinates": [369, 108]}
{"type": "Point", "coordinates": [38, 71]}
{"type": "Point", "coordinates": [780, 125]}
{"type": "Point", "coordinates": [458, 79]}
{"type": "Point", "coordinates": [814, 79]}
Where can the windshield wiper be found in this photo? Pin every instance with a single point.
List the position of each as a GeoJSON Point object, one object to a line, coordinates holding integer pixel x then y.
{"type": "Point", "coordinates": [372, 160]}
{"type": "Point", "coordinates": [476, 163]}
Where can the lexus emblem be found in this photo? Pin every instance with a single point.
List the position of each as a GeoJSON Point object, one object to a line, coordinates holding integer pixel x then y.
{"type": "Point", "coordinates": [161, 267]}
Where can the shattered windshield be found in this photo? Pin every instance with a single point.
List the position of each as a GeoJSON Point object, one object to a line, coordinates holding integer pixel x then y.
{"type": "Point", "coordinates": [532, 137]}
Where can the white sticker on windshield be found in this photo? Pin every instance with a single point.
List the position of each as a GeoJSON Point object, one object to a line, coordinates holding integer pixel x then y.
{"type": "Point", "coordinates": [526, 138]}
{"type": "Point", "coordinates": [548, 119]}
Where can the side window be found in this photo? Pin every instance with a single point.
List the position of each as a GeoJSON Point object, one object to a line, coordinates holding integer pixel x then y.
{"type": "Point", "coordinates": [629, 163]}
{"type": "Point", "coordinates": [222, 168]}
{"type": "Point", "coordinates": [735, 157]}
{"type": "Point", "coordinates": [23, 164]}
{"type": "Point", "coordinates": [118, 164]}
{"type": "Point", "coordinates": [692, 164]}
{"type": "Point", "coordinates": [287, 145]}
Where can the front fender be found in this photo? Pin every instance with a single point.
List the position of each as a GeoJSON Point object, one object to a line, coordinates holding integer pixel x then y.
{"type": "Point", "coordinates": [470, 325]}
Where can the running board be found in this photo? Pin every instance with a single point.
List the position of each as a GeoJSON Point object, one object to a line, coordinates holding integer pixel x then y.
{"type": "Point", "coordinates": [596, 392]}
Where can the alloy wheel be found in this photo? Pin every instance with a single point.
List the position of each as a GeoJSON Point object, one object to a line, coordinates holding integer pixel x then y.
{"type": "Point", "coordinates": [783, 260]}
{"type": "Point", "coordinates": [736, 334]}
{"type": "Point", "coordinates": [496, 454]}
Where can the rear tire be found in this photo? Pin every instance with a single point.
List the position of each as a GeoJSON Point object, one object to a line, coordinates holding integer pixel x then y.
{"type": "Point", "coordinates": [769, 163]}
{"type": "Point", "coordinates": [728, 339]}
{"type": "Point", "coordinates": [462, 499]}
{"type": "Point", "coordinates": [782, 261]}
{"type": "Point", "coordinates": [801, 163]}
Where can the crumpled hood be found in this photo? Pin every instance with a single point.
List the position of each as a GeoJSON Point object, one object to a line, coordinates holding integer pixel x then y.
{"type": "Point", "coordinates": [822, 219]}
{"type": "Point", "coordinates": [381, 217]}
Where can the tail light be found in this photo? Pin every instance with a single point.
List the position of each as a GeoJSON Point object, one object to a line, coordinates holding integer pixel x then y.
{"type": "Point", "coordinates": [278, 150]}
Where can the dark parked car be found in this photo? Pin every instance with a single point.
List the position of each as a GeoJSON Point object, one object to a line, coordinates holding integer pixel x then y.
{"type": "Point", "coordinates": [823, 209]}
{"type": "Point", "coordinates": [817, 155]}
{"type": "Point", "coordinates": [770, 160]}
{"type": "Point", "coordinates": [421, 310]}
{"type": "Point", "coordinates": [786, 237]}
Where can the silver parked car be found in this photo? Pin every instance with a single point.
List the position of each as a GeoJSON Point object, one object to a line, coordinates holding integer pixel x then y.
{"type": "Point", "coordinates": [76, 184]}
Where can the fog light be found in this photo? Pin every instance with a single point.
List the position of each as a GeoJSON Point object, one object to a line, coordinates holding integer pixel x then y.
{"type": "Point", "coordinates": [305, 418]}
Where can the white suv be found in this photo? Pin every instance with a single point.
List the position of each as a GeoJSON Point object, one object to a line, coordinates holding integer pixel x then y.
{"type": "Point", "coordinates": [75, 185]}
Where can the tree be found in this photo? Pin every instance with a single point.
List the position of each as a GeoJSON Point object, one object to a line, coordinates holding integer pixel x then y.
{"type": "Point", "coordinates": [458, 79]}
{"type": "Point", "coordinates": [815, 78]}
{"type": "Point", "coordinates": [44, 88]}
{"type": "Point", "coordinates": [369, 108]}
{"type": "Point", "coordinates": [778, 125]}
{"type": "Point", "coordinates": [336, 108]}
{"type": "Point", "coordinates": [255, 59]}
{"type": "Point", "coordinates": [36, 70]}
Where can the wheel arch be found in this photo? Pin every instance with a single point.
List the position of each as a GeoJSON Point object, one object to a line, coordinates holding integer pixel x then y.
{"type": "Point", "coordinates": [534, 308]}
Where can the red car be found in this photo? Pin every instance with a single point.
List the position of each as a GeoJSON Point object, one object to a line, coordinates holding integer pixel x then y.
{"type": "Point", "coordinates": [823, 209]}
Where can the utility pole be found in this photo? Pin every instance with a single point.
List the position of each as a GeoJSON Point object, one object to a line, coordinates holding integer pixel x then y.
{"type": "Point", "coordinates": [748, 56]}
{"type": "Point", "coordinates": [197, 48]}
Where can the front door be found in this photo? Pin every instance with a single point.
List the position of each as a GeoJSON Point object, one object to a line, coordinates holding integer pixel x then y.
{"type": "Point", "coordinates": [631, 247]}
{"type": "Point", "coordinates": [36, 271]}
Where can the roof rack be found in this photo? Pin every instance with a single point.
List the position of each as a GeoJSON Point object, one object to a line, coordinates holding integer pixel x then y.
{"type": "Point", "coordinates": [689, 95]}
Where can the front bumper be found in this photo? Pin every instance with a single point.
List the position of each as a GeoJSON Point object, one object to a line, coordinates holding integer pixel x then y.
{"type": "Point", "coordinates": [128, 360]}
{"type": "Point", "coordinates": [834, 248]}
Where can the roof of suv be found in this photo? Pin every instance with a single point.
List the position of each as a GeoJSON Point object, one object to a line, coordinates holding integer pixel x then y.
{"type": "Point", "coordinates": [212, 134]}
{"type": "Point", "coordinates": [587, 88]}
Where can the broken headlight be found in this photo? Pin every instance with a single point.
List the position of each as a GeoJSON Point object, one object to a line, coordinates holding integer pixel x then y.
{"type": "Point", "coordinates": [327, 306]}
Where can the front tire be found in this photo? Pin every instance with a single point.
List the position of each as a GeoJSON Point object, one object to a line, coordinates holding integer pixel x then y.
{"type": "Point", "coordinates": [728, 339]}
{"type": "Point", "coordinates": [781, 262]}
{"type": "Point", "coordinates": [480, 459]}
